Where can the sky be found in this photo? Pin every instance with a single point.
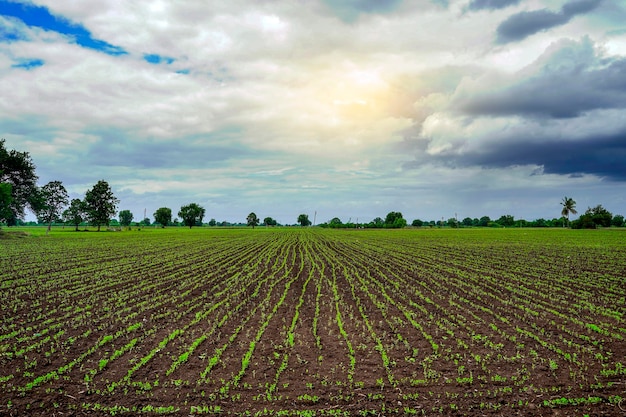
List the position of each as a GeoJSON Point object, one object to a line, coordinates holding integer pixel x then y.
{"type": "Point", "coordinates": [349, 109]}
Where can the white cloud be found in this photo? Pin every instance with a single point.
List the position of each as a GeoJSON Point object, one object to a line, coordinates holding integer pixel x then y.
{"type": "Point", "coordinates": [264, 99]}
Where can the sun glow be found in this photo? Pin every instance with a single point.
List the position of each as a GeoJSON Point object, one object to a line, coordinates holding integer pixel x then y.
{"type": "Point", "coordinates": [350, 108]}
{"type": "Point", "coordinates": [354, 94]}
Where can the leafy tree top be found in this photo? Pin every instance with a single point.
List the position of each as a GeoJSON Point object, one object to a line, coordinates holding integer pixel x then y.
{"type": "Point", "coordinates": [394, 220]}
{"type": "Point", "coordinates": [163, 216]}
{"type": "Point", "coordinates": [126, 217]}
{"type": "Point", "coordinates": [303, 219]}
{"type": "Point", "coordinates": [18, 170]}
{"type": "Point", "coordinates": [52, 198]}
{"type": "Point", "coordinates": [101, 204]}
{"type": "Point", "coordinates": [252, 220]}
{"type": "Point", "coordinates": [268, 221]}
{"type": "Point", "coordinates": [191, 214]}
{"type": "Point", "coordinates": [75, 213]}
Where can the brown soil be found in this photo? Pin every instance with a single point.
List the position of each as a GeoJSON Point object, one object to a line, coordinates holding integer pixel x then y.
{"type": "Point", "coordinates": [500, 350]}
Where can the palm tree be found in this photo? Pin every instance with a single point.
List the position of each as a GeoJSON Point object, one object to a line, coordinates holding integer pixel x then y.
{"type": "Point", "coordinates": [569, 206]}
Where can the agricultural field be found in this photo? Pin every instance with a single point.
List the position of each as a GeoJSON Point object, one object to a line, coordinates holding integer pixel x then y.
{"type": "Point", "coordinates": [314, 322]}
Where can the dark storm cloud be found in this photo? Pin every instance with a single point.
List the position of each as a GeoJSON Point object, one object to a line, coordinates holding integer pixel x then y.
{"type": "Point", "coordinates": [491, 4]}
{"type": "Point", "coordinates": [559, 89]}
{"type": "Point", "coordinates": [575, 7]}
{"type": "Point", "coordinates": [521, 25]}
{"type": "Point", "coordinates": [524, 24]}
{"type": "Point", "coordinates": [604, 156]}
{"type": "Point", "coordinates": [349, 10]}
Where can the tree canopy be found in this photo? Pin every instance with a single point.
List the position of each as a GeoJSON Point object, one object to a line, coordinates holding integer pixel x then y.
{"type": "Point", "coordinates": [75, 214]}
{"type": "Point", "coordinates": [53, 198]}
{"type": "Point", "coordinates": [5, 202]}
{"type": "Point", "coordinates": [377, 222]}
{"type": "Point", "coordinates": [593, 217]}
{"type": "Point", "coordinates": [268, 221]}
{"type": "Point", "coordinates": [191, 214]}
{"type": "Point", "coordinates": [18, 171]}
{"type": "Point", "coordinates": [126, 217]}
{"type": "Point", "coordinates": [303, 219]}
{"type": "Point", "coordinates": [335, 222]}
{"type": "Point", "coordinates": [506, 220]}
{"type": "Point", "coordinates": [394, 220]}
{"type": "Point", "coordinates": [100, 204]}
{"type": "Point", "coordinates": [252, 220]}
{"type": "Point", "coordinates": [163, 216]}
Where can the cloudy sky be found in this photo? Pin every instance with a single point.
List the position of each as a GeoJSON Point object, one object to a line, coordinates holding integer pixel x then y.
{"type": "Point", "coordinates": [348, 108]}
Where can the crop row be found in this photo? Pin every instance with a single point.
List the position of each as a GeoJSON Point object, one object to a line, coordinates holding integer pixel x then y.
{"type": "Point", "coordinates": [237, 320]}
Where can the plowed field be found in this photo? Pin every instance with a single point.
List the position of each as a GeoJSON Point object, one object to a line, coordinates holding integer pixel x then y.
{"type": "Point", "coordinates": [314, 322]}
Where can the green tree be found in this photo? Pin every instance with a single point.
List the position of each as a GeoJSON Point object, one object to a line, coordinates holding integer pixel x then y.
{"type": "Point", "coordinates": [584, 222]}
{"type": "Point", "coordinates": [569, 207]}
{"type": "Point", "coordinates": [484, 221]}
{"type": "Point", "coordinates": [163, 216]}
{"type": "Point", "coordinates": [417, 223]}
{"type": "Point", "coordinates": [268, 221]}
{"type": "Point", "coordinates": [252, 220]}
{"type": "Point", "coordinates": [75, 213]}
{"type": "Point", "coordinates": [303, 219]}
{"type": "Point", "coordinates": [212, 222]}
{"type": "Point", "coordinates": [506, 220]}
{"type": "Point", "coordinates": [191, 214]}
{"type": "Point", "coordinates": [377, 223]}
{"type": "Point", "coordinates": [467, 221]}
{"type": "Point", "coordinates": [618, 220]}
{"type": "Point", "coordinates": [53, 198]}
{"type": "Point", "coordinates": [126, 218]}
{"type": "Point", "coordinates": [335, 223]}
{"type": "Point", "coordinates": [18, 171]}
{"type": "Point", "coordinates": [593, 217]}
{"type": "Point", "coordinates": [560, 222]}
{"type": "Point", "coordinates": [394, 220]}
{"type": "Point", "coordinates": [101, 204]}
{"type": "Point", "coordinates": [5, 202]}
{"type": "Point", "coordinates": [600, 216]}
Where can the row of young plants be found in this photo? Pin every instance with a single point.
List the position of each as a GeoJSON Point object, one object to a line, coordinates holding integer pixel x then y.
{"type": "Point", "coordinates": [507, 303]}
{"type": "Point", "coordinates": [317, 318]}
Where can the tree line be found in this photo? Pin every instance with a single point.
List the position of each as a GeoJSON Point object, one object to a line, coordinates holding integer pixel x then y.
{"type": "Point", "coordinates": [50, 203]}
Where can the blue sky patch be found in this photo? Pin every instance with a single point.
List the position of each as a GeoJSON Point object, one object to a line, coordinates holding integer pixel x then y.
{"type": "Point", "coordinates": [28, 64]}
{"type": "Point", "coordinates": [9, 34]}
{"type": "Point", "coordinates": [37, 16]}
{"type": "Point", "coordinates": [158, 59]}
